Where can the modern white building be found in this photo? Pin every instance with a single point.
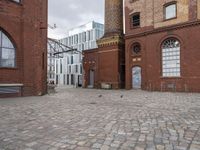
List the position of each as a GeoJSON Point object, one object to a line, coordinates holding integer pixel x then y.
{"type": "Point", "coordinates": [68, 69]}
{"type": "Point", "coordinates": [51, 46]}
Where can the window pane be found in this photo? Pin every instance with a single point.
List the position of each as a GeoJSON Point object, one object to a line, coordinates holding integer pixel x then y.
{"type": "Point", "coordinates": [8, 58]}
{"type": "Point", "coordinates": [17, 1]}
{"type": "Point", "coordinates": [170, 11]}
{"type": "Point", "coordinates": [7, 51]}
{"type": "Point", "coordinates": [171, 58]}
{"type": "Point", "coordinates": [6, 42]}
{"type": "Point", "coordinates": [136, 20]}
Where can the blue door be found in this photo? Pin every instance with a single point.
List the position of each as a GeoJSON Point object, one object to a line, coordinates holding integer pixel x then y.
{"type": "Point", "coordinates": [136, 77]}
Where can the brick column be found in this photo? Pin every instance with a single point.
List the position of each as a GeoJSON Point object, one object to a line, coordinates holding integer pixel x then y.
{"type": "Point", "coordinates": [111, 57]}
{"type": "Point", "coordinates": [192, 10]}
{"type": "Point", "coordinates": [113, 17]}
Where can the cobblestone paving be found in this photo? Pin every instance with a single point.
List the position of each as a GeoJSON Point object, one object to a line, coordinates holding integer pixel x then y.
{"type": "Point", "coordinates": [83, 119]}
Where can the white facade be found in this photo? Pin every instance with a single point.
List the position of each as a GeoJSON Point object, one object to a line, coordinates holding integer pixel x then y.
{"type": "Point", "coordinates": [69, 68]}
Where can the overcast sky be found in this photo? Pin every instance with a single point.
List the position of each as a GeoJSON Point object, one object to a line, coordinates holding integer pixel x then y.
{"type": "Point", "coordinates": [68, 14]}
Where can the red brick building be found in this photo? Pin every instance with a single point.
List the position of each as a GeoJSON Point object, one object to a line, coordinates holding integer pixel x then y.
{"type": "Point", "coordinates": [162, 47]}
{"type": "Point", "coordinates": [23, 47]}
{"type": "Point", "coordinates": [105, 66]}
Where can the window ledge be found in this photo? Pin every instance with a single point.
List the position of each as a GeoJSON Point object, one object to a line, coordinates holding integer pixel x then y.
{"type": "Point", "coordinates": [11, 85]}
{"type": "Point", "coordinates": [171, 77]}
{"type": "Point", "coordinates": [18, 3]}
{"type": "Point", "coordinates": [7, 68]}
{"type": "Point", "coordinates": [135, 27]}
{"type": "Point", "coordinates": [164, 20]}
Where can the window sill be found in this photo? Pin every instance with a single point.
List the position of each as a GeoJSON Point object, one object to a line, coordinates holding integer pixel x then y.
{"type": "Point", "coordinates": [171, 77]}
{"type": "Point", "coordinates": [135, 27]}
{"type": "Point", "coordinates": [7, 68]}
{"type": "Point", "coordinates": [18, 3]}
{"type": "Point", "coordinates": [164, 20]}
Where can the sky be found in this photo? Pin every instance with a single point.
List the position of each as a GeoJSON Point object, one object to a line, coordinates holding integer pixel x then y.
{"type": "Point", "coordinates": [67, 14]}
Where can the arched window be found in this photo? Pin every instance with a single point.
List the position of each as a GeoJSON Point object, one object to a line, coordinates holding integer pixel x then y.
{"type": "Point", "coordinates": [171, 58]}
{"type": "Point", "coordinates": [7, 51]}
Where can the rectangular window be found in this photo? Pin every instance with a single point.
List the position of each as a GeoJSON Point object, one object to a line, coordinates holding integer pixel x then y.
{"type": "Point", "coordinates": [81, 69]}
{"type": "Point", "coordinates": [70, 69]}
{"type": "Point", "coordinates": [67, 79]}
{"type": "Point", "coordinates": [76, 39]}
{"type": "Point", "coordinates": [135, 20]}
{"type": "Point", "coordinates": [67, 59]}
{"type": "Point", "coordinates": [170, 11]}
{"type": "Point", "coordinates": [7, 57]}
{"type": "Point", "coordinates": [64, 80]}
{"type": "Point", "coordinates": [76, 69]}
{"type": "Point", "coordinates": [72, 60]}
{"type": "Point", "coordinates": [18, 1]}
{"type": "Point", "coordinates": [56, 66]}
{"type": "Point", "coordinates": [61, 66]}
{"type": "Point", "coordinates": [56, 79]}
{"type": "Point", "coordinates": [84, 36]}
{"type": "Point", "coordinates": [72, 79]}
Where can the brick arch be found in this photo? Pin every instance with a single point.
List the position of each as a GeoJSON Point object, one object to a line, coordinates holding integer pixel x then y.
{"type": "Point", "coordinates": [9, 37]}
{"type": "Point", "coordinates": [172, 36]}
{"type": "Point", "coordinates": [135, 42]}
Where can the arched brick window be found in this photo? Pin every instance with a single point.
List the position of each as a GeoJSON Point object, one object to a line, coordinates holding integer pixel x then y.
{"type": "Point", "coordinates": [171, 58]}
{"type": "Point", "coordinates": [7, 51]}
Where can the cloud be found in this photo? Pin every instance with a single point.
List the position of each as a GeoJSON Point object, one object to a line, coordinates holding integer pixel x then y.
{"type": "Point", "coordinates": [68, 14]}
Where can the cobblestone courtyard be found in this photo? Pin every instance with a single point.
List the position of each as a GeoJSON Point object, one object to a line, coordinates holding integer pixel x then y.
{"type": "Point", "coordinates": [84, 119]}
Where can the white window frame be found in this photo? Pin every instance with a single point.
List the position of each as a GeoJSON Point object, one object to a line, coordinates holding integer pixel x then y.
{"type": "Point", "coordinates": [170, 11]}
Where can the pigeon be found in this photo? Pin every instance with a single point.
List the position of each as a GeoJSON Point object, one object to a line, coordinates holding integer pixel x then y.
{"type": "Point", "coordinates": [100, 95]}
{"type": "Point", "coordinates": [122, 96]}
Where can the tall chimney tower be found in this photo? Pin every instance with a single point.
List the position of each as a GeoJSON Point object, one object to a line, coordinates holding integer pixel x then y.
{"type": "Point", "coordinates": [113, 17]}
{"type": "Point", "coordinates": [111, 51]}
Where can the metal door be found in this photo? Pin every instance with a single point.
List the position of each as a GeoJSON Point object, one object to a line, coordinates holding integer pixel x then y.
{"type": "Point", "coordinates": [136, 77]}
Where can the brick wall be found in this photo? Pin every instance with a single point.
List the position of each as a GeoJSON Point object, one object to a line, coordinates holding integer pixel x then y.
{"type": "Point", "coordinates": [26, 24]}
{"type": "Point", "coordinates": [152, 32]}
{"type": "Point", "coordinates": [152, 12]}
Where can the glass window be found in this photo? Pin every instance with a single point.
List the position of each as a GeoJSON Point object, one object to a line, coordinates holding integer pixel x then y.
{"type": "Point", "coordinates": [170, 11]}
{"type": "Point", "coordinates": [61, 66]}
{"type": "Point", "coordinates": [171, 58]}
{"type": "Point", "coordinates": [72, 59]}
{"type": "Point", "coordinates": [70, 69]}
{"type": "Point", "coordinates": [81, 69]}
{"type": "Point", "coordinates": [76, 68]}
{"type": "Point", "coordinates": [136, 20]}
{"type": "Point", "coordinates": [17, 1]}
{"type": "Point", "coordinates": [7, 51]}
{"type": "Point", "coordinates": [136, 48]}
